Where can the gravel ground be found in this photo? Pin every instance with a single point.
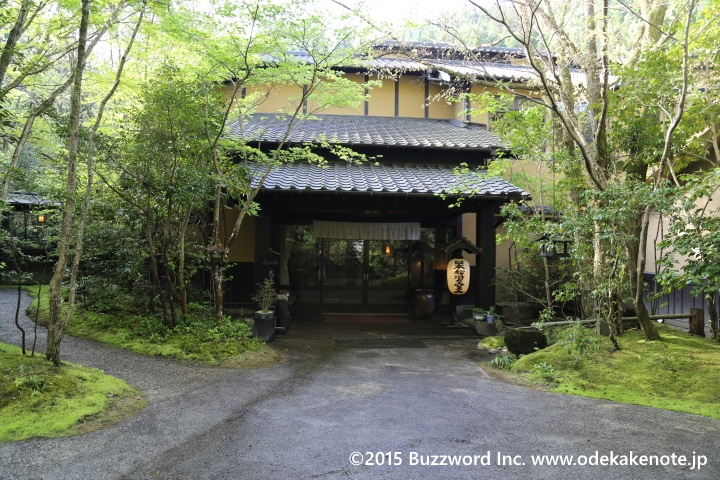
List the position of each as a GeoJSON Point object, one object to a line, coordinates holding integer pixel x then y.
{"type": "Point", "coordinates": [327, 409]}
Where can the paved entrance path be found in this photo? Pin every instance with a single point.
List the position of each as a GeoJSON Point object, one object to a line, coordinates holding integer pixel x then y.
{"type": "Point", "coordinates": [415, 402]}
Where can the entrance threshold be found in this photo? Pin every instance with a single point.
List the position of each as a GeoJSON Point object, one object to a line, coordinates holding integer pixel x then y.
{"type": "Point", "coordinates": [313, 325]}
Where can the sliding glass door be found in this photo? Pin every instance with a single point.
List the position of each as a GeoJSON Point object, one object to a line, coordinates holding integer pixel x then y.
{"type": "Point", "coordinates": [335, 275]}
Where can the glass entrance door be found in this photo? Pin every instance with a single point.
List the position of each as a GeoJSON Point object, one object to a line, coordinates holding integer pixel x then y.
{"type": "Point", "coordinates": [387, 275]}
{"type": "Point", "coordinates": [347, 275]}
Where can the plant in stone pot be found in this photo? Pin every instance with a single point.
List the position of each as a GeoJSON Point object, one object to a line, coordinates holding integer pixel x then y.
{"type": "Point", "coordinates": [479, 314]}
{"type": "Point", "coordinates": [264, 316]}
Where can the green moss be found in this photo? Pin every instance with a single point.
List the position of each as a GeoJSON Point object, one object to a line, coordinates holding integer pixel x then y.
{"type": "Point", "coordinates": [492, 342]}
{"type": "Point", "coordinates": [199, 341]}
{"type": "Point", "coordinates": [675, 373]}
{"type": "Point", "coordinates": [58, 401]}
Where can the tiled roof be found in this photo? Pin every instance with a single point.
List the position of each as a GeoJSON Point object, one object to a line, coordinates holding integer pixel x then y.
{"type": "Point", "coordinates": [491, 71]}
{"type": "Point", "coordinates": [362, 130]}
{"type": "Point", "coordinates": [487, 63]}
{"type": "Point", "coordinates": [25, 198]}
{"type": "Point", "coordinates": [387, 178]}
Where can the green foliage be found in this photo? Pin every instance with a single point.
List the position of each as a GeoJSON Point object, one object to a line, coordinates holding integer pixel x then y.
{"type": "Point", "coordinates": [504, 361]}
{"type": "Point", "coordinates": [199, 327]}
{"type": "Point", "coordinates": [546, 371]}
{"type": "Point", "coordinates": [579, 341]}
{"type": "Point", "coordinates": [265, 294]}
{"type": "Point", "coordinates": [31, 383]}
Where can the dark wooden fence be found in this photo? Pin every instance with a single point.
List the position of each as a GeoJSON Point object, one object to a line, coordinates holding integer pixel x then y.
{"type": "Point", "coordinates": [678, 301]}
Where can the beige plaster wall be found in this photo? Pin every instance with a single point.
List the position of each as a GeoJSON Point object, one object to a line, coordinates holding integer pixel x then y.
{"type": "Point", "coordinates": [412, 97]}
{"type": "Point", "coordinates": [243, 250]}
{"type": "Point", "coordinates": [439, 106]}
{"type": "Point", "coordinates": [382, 100]}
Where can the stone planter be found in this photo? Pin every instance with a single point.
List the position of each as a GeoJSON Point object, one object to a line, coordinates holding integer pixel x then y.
{"type": "Point", "coordinates": [485, 329]}
{"type": "Point", "coordinates": [264, 326]}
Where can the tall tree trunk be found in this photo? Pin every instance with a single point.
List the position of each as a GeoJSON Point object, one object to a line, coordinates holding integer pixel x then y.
{"type": "Point", "coordinates": [18, 272]}
{"type": "Point", "coordinates": [80, 233]}
{"type": "Point", "coordinates": [636, 251]}
{"type": "Point", "coordinates": [57, 324]}
{"type": "Point", "coordinates": [217, 253]}
{"type": "Point", "coordinates": [8, 51]}
{"type": "Point", "coordinates": [181, 263]}
{"type": "Point", "coordinates": [154, 266]}
{"type": "Point", "coordinates": [17, 314]}
{"type": "Point", "coordinates": [713, 312]}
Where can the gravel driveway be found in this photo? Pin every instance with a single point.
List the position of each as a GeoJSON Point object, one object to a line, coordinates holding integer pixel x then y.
{"type": "Point", "coordinates": [335, 409]}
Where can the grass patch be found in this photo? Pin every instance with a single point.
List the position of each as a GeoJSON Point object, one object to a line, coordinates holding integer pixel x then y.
{"type": "Point", "coordinates": [196, 338]}
{"type": "Point", "coordinates": [677, 372]}
{"type": "Point", "coordinates": [38, 399]}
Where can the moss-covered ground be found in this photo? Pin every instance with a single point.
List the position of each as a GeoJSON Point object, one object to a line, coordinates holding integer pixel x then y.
{"type": "Point", "coordinates": [38, 399]}
{"type": "Point", "coordinates": [678, 372]}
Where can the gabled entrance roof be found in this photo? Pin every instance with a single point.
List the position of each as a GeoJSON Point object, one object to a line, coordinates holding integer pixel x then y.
{"type": "Point", "coordinates": [386, 178]}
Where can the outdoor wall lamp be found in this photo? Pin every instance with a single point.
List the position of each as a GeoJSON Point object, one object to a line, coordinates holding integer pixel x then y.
{"type": "Point", "coordinates": [554, 247]}
{"type": "Point", "coordinates": [387, 249]}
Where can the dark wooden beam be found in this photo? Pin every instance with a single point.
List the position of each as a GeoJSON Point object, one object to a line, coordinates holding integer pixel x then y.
{"type": "Point", "coordinates": [485, 263]}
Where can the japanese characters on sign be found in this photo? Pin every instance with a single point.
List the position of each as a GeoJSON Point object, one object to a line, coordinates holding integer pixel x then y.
{"type": "Point", "coordinates": [458, 276]}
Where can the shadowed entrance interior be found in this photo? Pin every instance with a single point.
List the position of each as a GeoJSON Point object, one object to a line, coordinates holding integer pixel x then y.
{"type": "Point", "coordinates": [366, 318]}
{"type": "Point", "coordinates": [355, 276]}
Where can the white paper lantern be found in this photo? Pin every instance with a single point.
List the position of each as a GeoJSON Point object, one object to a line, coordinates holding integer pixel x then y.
{"type": "Point", "coordinates": [458, 276]}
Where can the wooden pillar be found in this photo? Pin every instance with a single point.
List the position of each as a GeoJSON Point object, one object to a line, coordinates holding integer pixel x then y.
{"type": "Point", "coordinates": [485, 263]}
{"type": "Point", "coordinates": [263, 241]}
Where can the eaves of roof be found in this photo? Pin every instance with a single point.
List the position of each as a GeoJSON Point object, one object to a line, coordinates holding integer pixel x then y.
{"type": "Point", "coordinates": [26, 199]}
{"type": "Point", "coordinates": [398, 179]}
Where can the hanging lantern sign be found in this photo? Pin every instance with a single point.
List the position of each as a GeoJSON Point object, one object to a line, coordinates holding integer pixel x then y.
{"type": "Point", "coordinates": [458, 276]}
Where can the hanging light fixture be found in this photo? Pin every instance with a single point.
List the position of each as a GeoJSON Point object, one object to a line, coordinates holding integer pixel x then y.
{"type": "Point", "coordinates": [388, 250]}
{"type": "Point", "coordinates": [41, 218]}
{"type": "Point", "coordinates": [458, 275]}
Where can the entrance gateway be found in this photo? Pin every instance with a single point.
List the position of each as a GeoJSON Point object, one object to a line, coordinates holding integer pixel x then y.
{"type": "Point", "coordinates": [355, 274]}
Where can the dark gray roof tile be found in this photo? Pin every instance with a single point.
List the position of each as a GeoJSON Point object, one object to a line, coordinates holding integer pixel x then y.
{"type": "Point", "coordinates": [361, 130]}
{"type": "Point", "coordinates": [403, 178]}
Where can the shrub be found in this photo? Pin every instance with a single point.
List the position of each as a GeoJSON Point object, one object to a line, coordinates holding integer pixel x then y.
{"type": "Point", "coordinates": [579, 341]}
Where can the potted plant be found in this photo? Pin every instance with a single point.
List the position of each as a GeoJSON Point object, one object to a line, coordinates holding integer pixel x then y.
{"type": "Point", "coordinates": [265, 297]}
{"type": "Point", "coordinates": [490, 314]}
{"type": "Point", "coordinates": [482, 315]}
